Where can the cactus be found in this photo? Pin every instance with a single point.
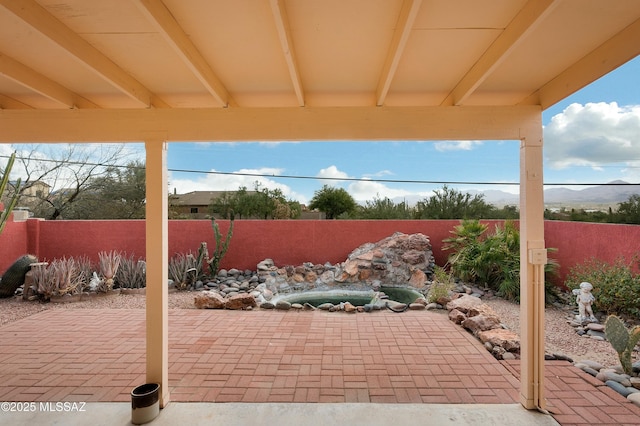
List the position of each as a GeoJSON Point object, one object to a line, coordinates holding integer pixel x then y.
{"type": "Point", "coordinates": [622, 340]}
{"type": "Point", "coordinates": [4, 180]}
{"type": "Point", "coordinates": [221, 247]}
{"type": "Point", "coordinates": [14, 277]}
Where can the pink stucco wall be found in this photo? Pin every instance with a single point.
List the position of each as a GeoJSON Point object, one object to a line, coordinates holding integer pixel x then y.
{"type": "Point", "coordinates": [290, 242]}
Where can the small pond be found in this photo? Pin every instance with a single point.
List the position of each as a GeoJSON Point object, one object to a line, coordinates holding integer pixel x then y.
{"type": "Point", "coordinates": [355, 297]}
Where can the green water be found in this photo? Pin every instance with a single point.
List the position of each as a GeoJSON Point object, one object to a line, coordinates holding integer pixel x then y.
{"type": "Point", "coordinates": [399, 294]}
{"type": "Point", "coordinates": [402, 295]}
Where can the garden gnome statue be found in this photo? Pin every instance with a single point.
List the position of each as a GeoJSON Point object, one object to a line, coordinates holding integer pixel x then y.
{"type": "Point", "coordinates": [584, 299]}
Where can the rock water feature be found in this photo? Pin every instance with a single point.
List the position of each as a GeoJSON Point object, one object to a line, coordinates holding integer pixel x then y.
{"type": "Point", "coordinates": [368, 277]}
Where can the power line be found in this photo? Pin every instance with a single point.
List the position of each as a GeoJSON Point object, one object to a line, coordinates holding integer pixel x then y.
{"type": "Point", "coordinates": [349, 179]}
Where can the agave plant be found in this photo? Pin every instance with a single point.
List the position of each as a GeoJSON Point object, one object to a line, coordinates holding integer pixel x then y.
{"type": "Point", "coordinates": [62, 276]}
{"type": "Point", "coordinates": [131, 273]}
{"type": "Point", "coordinates": [183, 270]}
{"type": "Point", "coordinates": [109, 263]}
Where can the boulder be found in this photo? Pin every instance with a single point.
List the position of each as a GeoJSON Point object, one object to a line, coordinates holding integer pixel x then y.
{"type": "Point", "coordinates": [241, 301]}
{"type": "Point", "coordinates": [480, 323]}
{"type": "Point", "coordinates": [457, 316]}
{"type": "Point", "coordinates": [209, 300]}
{"type": "Point", "coordinates": [506, 339]}
{"type": "Point", "coordinates": [464, 303]}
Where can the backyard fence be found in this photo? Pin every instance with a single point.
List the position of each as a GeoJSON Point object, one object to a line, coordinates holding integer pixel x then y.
{"type": "Point", "coordinates": [290, 242]}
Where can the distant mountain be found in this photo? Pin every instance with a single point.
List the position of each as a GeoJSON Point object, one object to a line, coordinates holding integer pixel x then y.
{"type": "Point", "coordinates": [612, 193]}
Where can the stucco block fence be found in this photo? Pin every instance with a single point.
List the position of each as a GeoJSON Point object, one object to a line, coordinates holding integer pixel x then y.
{"type": "Point", "coordinates": [290, 242]}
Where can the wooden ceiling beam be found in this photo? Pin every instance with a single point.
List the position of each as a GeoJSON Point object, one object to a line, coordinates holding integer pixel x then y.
{"type": "Point", "coordinates": [37, 82]}
{"type": "Point", "coordinates": [47, 24]}
{"type": "Point", "coordinates": [533, 12]}
{"type": "Point", "coordinates": [618, 50]}
{"type": "Point", "coordinates": [286, 42]}
{"type": "Point", "coordinates": [163, 19]}
{"type": "Point", "coordinates": [7, 102]}
{"type": "Point", "coordinates": [270, 124]}
{"type": "Point", "coordinates": [400, 38]}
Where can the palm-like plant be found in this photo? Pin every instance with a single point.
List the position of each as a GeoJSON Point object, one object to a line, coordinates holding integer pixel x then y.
{"type": "Point", "coordinates": [492, 260]}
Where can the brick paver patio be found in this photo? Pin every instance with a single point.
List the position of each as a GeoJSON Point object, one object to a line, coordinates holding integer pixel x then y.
{"type": "Point", "coordinates": [273, 356]}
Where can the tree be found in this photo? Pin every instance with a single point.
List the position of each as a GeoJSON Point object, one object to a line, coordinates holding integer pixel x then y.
{"type": "Point", "coordinates": [449, 203]}
{"type": "Point", "coordinates": [384, 208]}
{"type": "Point", "coordinates": [333, 202]}
{"type": "Point", "coordinates": [262, 203]}
{"type": "Point", "coordinates": [120, 194]}
{"type": "Point", "coordinates": [70, 171]}
{"type": "Point", "coordinates": [629, 211]}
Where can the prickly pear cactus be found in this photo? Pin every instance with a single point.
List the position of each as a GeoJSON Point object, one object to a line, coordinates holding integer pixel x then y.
{"type": "Point", "coordinates": [14, 277]}
{"type": "Point", "coordinates": [622, 340]}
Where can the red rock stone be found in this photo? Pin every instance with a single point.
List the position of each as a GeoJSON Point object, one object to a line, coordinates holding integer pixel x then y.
{"type": "Point", "coordinates": [480, 323]}
{"type": "Point", "coordinates": [418, 279]}
{"type": "Point", "coordinates": [464, 303]}
{"type": "Point", "coordinates": [457, 316]}
{"type": "Point", "coordinates": [506, 339]}
{"type": "Point", "coordinates": [209, 300]}
{"type": "Point", "coordinates": [240, 301]}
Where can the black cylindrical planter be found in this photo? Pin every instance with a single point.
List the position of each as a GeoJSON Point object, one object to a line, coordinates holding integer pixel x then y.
{"type": "Point", "coordinates": [145, 403]}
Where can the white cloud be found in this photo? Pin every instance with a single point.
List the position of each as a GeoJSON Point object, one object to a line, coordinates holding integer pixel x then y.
{"type": "Point", "coordinates": [232, 181]}
{"type": "Point", "coordinates": [332, 172]}
{"type": "Point", "coordinates": [379, 174]}
{"type": "Point", "coordinates": [593, 135]}
{"type": "Point", "coordinates": [367, 190]}
{"type": "Point", "coordinates": [443, 146]}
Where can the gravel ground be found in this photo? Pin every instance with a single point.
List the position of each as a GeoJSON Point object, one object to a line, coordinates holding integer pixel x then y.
{"type": "Point", "coordinates": [560, 337]}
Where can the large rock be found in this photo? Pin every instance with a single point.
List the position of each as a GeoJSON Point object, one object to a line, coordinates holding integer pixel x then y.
{"type": "Point", "coordinates": [400, 258]}
{"type": "Point", "coordinates": [209, 300]}
{"type": "Point", "coordinates": [464, 303]}
{"type": "Point", "coordinates": [480, 323]}
{"type": "Point", "coordinates": [241, 301]}
{"type": "Point", "coordinates": [506, 339]}
{"type": "Point", "coordinates": [14, 276]}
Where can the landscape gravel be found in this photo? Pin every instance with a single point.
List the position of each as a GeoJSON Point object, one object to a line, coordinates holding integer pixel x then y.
{"type": "Point", "coordinates": [560, 337]}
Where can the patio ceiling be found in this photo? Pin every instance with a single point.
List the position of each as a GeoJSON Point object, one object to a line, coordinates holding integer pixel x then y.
{"type": "Point", "coordinates": [140, 54]}
{"type": "Point", "coordinates": [178, 70]}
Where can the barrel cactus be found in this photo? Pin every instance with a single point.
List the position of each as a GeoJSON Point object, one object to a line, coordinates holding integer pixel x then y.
{"type": "Point", "coordinates": [622, 340]}
{"type": "Point", "coordinates": [14, 277]}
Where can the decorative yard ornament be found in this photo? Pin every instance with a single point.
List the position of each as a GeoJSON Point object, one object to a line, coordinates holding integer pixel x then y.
{"type": "Point", "coordinates": [584, 299]}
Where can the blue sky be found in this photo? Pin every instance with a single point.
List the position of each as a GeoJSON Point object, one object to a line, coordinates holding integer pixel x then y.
{"type": "Point", "coordinates": [591, 137]}
{"type": "Point", "coordinates": [576, 130]}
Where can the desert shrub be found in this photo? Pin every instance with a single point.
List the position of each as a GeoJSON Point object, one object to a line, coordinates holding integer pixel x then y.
{"type": "Point", "coordinates": [615, 285]}
{"type": "Point", "coordinates": [183, 270]}
{"type": "Point", "coordinates": [131, 273]}
{"type": "Point", "coordinates": [491, 260]}
{"type": "Point", "coordinates": [441, 286]}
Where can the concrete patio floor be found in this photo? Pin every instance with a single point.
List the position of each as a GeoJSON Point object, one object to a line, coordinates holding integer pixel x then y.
{"type": "Point", "coordinates": [298, 367]}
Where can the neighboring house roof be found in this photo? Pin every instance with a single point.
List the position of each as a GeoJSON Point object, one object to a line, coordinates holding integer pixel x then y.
{"type": "Point", "coordinates": [195, 198]}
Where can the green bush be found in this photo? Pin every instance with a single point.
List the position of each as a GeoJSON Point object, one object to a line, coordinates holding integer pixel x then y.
{"type": "Point", "coordinates": [441, 286]}
{"type": "Point", "coordinates": [491, 260]}
{"type": "Point", "coordinates": [615, 286]}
